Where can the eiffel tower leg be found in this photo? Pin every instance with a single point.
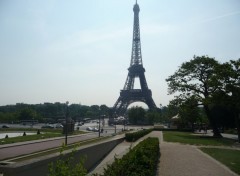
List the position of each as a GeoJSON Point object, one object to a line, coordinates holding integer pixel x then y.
{"type": "Point", "coordinates": [120, 106]}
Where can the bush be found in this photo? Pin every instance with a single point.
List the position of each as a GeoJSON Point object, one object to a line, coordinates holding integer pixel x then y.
{"type": "Point", "coordinates": [131, 137]}
{"type": "Point", "coordinates": [141, 160]}
{"type": "Point", "coordinates": [67, 166]}
{"type": "Point", "coordinates": [170, 129]}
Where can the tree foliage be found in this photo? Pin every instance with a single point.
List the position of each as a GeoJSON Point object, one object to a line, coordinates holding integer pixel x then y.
{"type": "Point", "coordinates": [67, 166]}
{"type": "Point", "coordinates": [49, 112]}
{"type": "Point", "coordinates": [189, 112]}
{"type": "Point", "coordinates": [229, 95]}
{"type": "Point", "coordinates": [198, 78]}
{"type": "Point", "coordinates": [136, 115]}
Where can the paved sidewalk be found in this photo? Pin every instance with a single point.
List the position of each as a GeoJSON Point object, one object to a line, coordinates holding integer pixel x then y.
{"type": "Point", "coordinates": [186, 160]}
{"type": "Point", "coordinates": [176, 159]}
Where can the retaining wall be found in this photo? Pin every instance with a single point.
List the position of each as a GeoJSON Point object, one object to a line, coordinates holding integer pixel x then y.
{"type": "Point", "coordinates": [39, 166]}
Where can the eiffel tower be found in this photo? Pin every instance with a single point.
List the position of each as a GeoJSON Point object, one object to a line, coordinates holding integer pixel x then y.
{"type": "Point", "coordinates": [130, 95]}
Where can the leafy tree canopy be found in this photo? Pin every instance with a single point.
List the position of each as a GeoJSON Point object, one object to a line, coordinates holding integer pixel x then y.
{"type": "Point", "coordinates": [198, 78]}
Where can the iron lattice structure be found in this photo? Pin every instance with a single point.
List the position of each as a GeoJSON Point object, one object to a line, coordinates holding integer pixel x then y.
{"type": "Point", "coordinates": [130, 95]}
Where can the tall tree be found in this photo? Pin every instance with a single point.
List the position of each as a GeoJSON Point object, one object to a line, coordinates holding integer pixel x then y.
{"type": "Point", "coordinates": [189, 112]}
{"type": "Point", "coordinates": [229, 74]}
{"type": "Point", "coordinates": [197, 77]}
{"type": "Point", "coordinates": [136, 115]}
{"type": "Point", "coordinates": [27, 114]}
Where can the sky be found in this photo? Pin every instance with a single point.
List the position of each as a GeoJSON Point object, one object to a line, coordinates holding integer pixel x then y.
{"type": "Point", "coordinates": [79, 50]}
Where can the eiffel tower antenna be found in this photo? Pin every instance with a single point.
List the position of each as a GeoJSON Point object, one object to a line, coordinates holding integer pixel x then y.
{"type": "Point", "coordinates": [128, 94]}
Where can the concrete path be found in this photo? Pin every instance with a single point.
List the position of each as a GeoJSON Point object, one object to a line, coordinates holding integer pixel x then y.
{"type": "Point", "coordinates": [186, 160]}
{"type": "Point", "coordinates": [176, 159]}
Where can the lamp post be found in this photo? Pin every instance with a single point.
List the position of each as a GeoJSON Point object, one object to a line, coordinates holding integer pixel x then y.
{"type": "Point", "coordinates": [99, 126]}
{"type": "Point", "coordinates": [66, 123]}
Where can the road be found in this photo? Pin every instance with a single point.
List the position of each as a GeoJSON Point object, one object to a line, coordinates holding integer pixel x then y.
{"type": "Point", "coordinates": [18, 149]}
{"type": "Point", "coordinates": [10, 151]}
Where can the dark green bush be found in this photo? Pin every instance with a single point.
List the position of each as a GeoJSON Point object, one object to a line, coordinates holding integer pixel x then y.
{"type": "Point", "coordinates": [142, 160]}
{"type": "Point", "coordinates": [170, 129]}
{"type": "Point", "coordinates": [131, 137]}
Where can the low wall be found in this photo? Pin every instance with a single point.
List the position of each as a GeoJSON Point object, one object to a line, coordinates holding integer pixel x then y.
{"type": "Point", "coordinates": [39, 166]}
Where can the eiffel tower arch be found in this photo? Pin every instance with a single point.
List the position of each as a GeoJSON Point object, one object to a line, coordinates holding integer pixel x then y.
{"type": "Point", "coordinates": [128, 94]}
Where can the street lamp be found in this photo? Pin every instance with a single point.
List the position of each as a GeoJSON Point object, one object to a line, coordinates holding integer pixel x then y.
{"type": "Point", "coordinates": [66, 123]}
{"type": "Point", "coordinates": [99, 126]}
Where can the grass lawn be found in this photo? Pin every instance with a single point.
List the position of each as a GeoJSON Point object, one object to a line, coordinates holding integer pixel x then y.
{"type": "Point", "coordinates": [230, 158]}
{"type": "Point", "coordinates": [190, 138]}
{"type": "Point", "coordinates": [45, 133]}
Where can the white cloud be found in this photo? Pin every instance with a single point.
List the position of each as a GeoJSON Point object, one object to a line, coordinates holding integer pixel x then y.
{"type": "Point", "coordinates": [218, 17]}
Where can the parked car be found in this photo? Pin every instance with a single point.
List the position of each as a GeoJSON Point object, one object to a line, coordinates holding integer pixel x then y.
{"type": "Point", "coordinates": [5, 126]}
{"type": "Point", "coordinates": [80, 124]}
{"type": "Point", "coordinates": [89, 129]}
{"type": "Point", "coordinates": [95, 129]}
{"type": "Point", "coordinates": [48, 126]}
{"type": "Point", "coordinates": [59, 126]}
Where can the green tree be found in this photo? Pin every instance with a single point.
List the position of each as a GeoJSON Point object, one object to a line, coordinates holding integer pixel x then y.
{"type": "Point", "coordinates": [197, 77]}
{"type": "Point", "coordinates": [136, 115]}
{"type": "Point", "coordinates": [27, 114]}
{"type": "Point", "coordinates": [189, 112]}
{"type": "Point", "coordinates": [229, 74]}
{"type": "Point", "coordinates": [8, 117]}
{"type": "Point", "coordinates": [153, 117]}
{"type": "Point", "coordinates": [104, 110]}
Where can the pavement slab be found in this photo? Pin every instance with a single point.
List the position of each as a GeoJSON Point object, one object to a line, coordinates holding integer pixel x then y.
{"type": "Point", "coordinates": [186, 160]}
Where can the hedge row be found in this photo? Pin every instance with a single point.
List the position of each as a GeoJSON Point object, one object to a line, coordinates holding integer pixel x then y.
{"type": "Point", "coordinates": [131, 137]}
{"type": "Point", "coordinates": [142, 160]}
{"type": "Point", "coordinates": [170, 129]}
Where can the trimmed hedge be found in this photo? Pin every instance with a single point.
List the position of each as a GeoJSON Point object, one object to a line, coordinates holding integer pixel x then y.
{"type": "Point", "coordinates": [142, 160]}
{"type": "Point", "coordinates": [170, 129]}
{"type": "Point", "coordinates": [131, 137]}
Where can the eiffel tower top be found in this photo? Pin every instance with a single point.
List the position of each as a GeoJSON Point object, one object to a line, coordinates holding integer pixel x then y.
{"type": "Point", "coordinates": [136, 7]}
{"type": "Point", "coordinates": [136, 58]}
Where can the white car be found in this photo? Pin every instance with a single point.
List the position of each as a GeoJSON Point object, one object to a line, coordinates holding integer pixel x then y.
{"type": "Point", "coordinates": [59, 126]}
{"type": "Point", "coordinates": [95, 129]}
{"type": "Point", "coordinates": [89, 129]}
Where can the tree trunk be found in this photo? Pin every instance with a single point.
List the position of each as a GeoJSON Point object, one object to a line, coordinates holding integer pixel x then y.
{"type": "Point", "coordinates": [216, 132]}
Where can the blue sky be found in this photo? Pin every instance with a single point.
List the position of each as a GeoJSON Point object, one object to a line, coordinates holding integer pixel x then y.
{"type": "Point", "coordinates": [79, 50]}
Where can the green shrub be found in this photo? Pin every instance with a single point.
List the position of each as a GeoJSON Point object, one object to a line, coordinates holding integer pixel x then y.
{"type": "Point", "coordinates": [170, 129]}
{"type": "Point", "coordinates": [67, 166]}
{"type": "Point", "coordinates": [142, 160]}
{"type": "Point", "coordinates": [131, 137]}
